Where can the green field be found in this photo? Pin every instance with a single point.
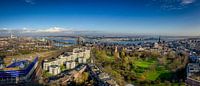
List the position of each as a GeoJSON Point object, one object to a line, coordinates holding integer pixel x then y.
{"type": "Point", "coordinates": [144, 68]}
{"type": "Point", "coordinates": [144, 64]}
{"type": "Point", "coordinates": [153, 75]}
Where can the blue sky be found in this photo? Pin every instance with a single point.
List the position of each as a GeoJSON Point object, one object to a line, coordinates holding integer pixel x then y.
{"type": "Point", "coordinates": [168, 17]}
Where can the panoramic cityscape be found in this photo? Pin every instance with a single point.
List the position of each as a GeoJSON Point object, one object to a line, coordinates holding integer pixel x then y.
{"type": "Point", "coordinates": [99, 43]}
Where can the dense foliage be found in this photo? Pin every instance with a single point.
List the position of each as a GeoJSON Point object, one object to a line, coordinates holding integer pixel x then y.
{"type": "Point", "coordinates": [142, 67]}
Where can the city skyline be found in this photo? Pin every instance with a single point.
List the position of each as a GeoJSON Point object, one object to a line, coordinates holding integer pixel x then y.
{"type": "Point", "coordinates": [160, 17]}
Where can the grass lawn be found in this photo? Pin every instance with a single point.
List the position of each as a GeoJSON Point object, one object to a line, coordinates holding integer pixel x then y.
{"type": "Point", "coordinates": [143, 64]}
{"type": "Point", "coordinates": [153, 75]}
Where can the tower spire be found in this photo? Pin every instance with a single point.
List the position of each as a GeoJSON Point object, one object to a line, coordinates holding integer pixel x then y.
{"type": "Point", "coordinates": [159, 41]}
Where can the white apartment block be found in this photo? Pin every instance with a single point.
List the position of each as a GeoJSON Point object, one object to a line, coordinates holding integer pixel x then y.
{"type": "Point", "coordinates": [70, 64]}
{"type": "Point", "coordinates": [80, 54]}
{"type": "Point", "coordinates": [54, 69]}
{"type": "Point", "coordinates": [82, 60]}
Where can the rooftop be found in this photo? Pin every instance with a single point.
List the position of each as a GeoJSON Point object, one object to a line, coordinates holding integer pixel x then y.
{"type": "Point", "coordinates": [17, 65]}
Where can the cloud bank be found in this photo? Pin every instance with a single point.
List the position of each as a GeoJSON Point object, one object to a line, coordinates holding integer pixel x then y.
{"type": "Point", "coordinates": [53, 30]}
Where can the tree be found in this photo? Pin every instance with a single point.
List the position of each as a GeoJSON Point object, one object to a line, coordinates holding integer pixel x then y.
{"type": "Point", "coordinates": [62, 67]}
{"type": "Point", "coordinates": [124, 58]}
{"type": "Point", "coordinates": [47, 74]}
{"type": "Point", "coordinates": [142, 77]}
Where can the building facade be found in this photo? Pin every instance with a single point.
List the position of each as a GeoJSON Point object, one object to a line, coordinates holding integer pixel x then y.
{"type": "Point", "coordinates": [18, 76]}
{"type": "Point", "coordinates": [54, 69]}
{"type": "Point", "coordinates": [69, 59]}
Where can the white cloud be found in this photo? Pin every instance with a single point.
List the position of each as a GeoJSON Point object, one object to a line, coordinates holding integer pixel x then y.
{"type": "Point", "coordinates": [53, 30]}
{"type": "Point", "coordinates": [169, 5]}
{"type": "Point", "coordinates": [4, 28]}
{"type": "Point", "coordinates": [186, 2]}
{"type": "Point", "coordinates": [41, 30]}
{"type": "Point", "coordinates": [30, 1]}
{"type": "Point", "coordinates": [24, 28]}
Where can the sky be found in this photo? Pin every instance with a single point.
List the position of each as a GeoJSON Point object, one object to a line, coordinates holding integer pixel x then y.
{"type": "Point", "coordinates": [163, 17]}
